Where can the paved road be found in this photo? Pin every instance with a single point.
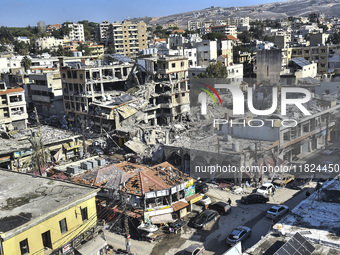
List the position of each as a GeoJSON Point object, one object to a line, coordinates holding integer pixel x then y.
{"type": "Point", "coordinates": [214, 236]}
{"type": "Point", "coordinates": [252, 216]}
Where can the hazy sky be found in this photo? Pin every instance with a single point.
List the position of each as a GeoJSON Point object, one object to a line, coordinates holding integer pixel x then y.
{"type": "Point", "coordinates": [29, 12]}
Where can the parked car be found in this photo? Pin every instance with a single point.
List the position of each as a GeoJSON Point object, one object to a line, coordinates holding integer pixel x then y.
{"type": "Point", "coordinates": [297, 184]}
{"type": "Point", "coordinates": [133, 158]}
{"type": "Point", "coordinates": [277, 211]}
{"type": "Point", "coordinates": [204, 201]}
{"type": "Point", "coordinates": [329, 151]}
{"type": "Point", "coordinates": [254, 198]}
{"type": "Point", "coordinates": [220, 207]}
{"type": "Point", "coordinates": [266, 188]}
{"type": "Point", "coordinates": [194, 249]}
{"type": "Point", "coordinates": [96, 151]}
{"type": "Point", "coordinates": [204, 218]}
{"type": "Point", "coordinates": [109, 151]}
{"type": "Point", "coordinates": [284, 180]}
{"type": "Point", "coordinates": [201, 187]}
{"type": "Point", "coordinates": [238, 234]}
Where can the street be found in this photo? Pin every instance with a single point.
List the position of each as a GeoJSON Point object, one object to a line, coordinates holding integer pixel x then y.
{"type": "Point", "coordinates": [214, 236]}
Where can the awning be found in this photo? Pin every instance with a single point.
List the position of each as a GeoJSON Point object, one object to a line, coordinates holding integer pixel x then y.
{"type": "Point", "coordinates": [93, 246]}
{"type": "Point", "coordinates": [5, 159]}
{"type": "Point", "coordinates": [179, 205]}
{"type": "Point", "coordinates": [194, 198]}
{"type": "Point", "coordinates": [163, 218]}
{"type": "Point", "coordinates": [71, 145]}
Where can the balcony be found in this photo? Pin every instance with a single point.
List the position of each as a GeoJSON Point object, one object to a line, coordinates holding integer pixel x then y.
{"type": "Point", "coordinates": [41, 98]}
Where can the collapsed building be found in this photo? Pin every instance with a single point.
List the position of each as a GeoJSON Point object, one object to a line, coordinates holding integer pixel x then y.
{"type": "Point", "coordinates": [16, 150]}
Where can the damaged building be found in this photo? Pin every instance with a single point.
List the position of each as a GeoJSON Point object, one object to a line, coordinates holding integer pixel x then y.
{"type": "Point", "coordinates": [13, 112]}
{"type": "Point", "coordinates": [46, 93]}
{"type": "Point", "coordinates": [16, 149]}
{"type": "Point", "coordinates": [169, 97]}
{"type": "Point", "coordinates": [96, 90]}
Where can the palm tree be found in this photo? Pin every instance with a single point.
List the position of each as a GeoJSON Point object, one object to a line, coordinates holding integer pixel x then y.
{"type": "Point", "coordinates": [40, 155]}
{"type": "Point", "coordinates": [26, 62]}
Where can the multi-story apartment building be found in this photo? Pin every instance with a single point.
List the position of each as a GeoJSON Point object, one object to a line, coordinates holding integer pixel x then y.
{"type": "Point", "coordinates": [206, 52]}
{"type": "Point", "coordinates": [49, 43]}
{"type": "Point", "coordinates": [269, 66]}
{"type": "Point", "coordinates": [170, 100]}
{"type": "Point", "coordinates": [77, 32]}
{"type": "Point", "coordinates": [128, 38]}
{"type": "Point", "coordinates": [13, 112]}
{"type": "Point", "coordinates": [310, 133]}
{"type": "Point", "coordinates": [318, 54]}
{"type": "Point", "coordinates": [91, 91]}
{"type": "Point", "coordinates": [101, 31]}
{"type": "Point", "coordinates": [46, 93]}
{"type": "Point", "coordinates": [225, 29]}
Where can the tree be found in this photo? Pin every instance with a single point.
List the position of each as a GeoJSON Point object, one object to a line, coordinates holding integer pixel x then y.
{"type": "Point", "coordinates": [85, 49]}
{"type": "Point", "coordinates": [21, 47]}
{"type": "Point", "coordinates": [334, 38]}
{"type": "Point", "coordinates": [26, 62]}
{"type": "Point", "coordinates": [245, 36]}
{"type": "Point", "coordinates": [214, 70]}
{"type": "Point", "coordinates": [40, 155]}
{"type": "Point", "coordinates": [110, 49]}
{"type": "Point", "coordinates": [213, 36]}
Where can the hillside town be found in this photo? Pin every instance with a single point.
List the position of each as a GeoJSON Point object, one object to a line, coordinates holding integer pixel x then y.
{"type": "Point", "coordinates": [127, 138]}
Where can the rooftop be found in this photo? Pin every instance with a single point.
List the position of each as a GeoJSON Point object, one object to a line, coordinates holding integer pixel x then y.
{"type": "Point", "coordinates": [20, 141]}
{"type": "Point", "coordinates": [39, 200]}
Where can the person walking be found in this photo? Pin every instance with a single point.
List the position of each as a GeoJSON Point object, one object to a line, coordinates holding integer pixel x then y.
{"type": "Point", "coordinates": [229, 201]}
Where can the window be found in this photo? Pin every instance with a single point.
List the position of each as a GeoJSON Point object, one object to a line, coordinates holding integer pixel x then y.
{"type": "Point", "coordinates": [24, 247]}
{"type": "Point", "coordinates": [182, 64]}
{"type": "Point", "coordinates": [173, 65]}
{"type": "Point", "coordinates": [46, 238]}
{"type": "Point", "coordinates": [63, 225]}
{"type": "Point", "coordinates": [84, 214]}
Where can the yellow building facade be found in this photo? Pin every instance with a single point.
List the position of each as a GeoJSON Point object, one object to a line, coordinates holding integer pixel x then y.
{"type": "Point", "coordinates": [52, 221]}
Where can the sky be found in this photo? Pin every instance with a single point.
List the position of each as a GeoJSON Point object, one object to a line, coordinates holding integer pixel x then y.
{"type": "Point", "coordinates": [21, 13]}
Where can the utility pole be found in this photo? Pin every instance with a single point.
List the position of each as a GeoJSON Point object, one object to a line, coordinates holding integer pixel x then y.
{"type": "Point", "coordinates": [39, 139]}
{"type": "Point", "coordinates": [126, 225]}
{"type": "Point", "coordinates": [327, 124]}
{"type": "Point", "coordinates": [84, 140]}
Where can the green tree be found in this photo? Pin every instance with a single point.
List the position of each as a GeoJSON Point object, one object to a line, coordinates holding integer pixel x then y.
{"type": "Point", "coordinates": [21, 48]}
{"type": "Point", "coordinates": [26, 62]}
{"type": "Point", "coordinates": [334, 38]}
{"type": "Point", "coordinates": [85, 49]}
{"type": "Point", "coordinates": [110, 49]}
{"type": "Point", "coordinates": [213, 36]}
{"type": "Point", "coordinates": [269, 38]}
{"type": "Point", "coordinates": [245, 36]}
{"type": "Point", "coordinates": [214, 70]}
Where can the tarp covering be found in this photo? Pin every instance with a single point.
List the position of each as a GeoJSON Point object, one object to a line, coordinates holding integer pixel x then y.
{"type": "Point", "coordinates": [93, 246]}
{"type": "Point", "coordinates": [163, 218]}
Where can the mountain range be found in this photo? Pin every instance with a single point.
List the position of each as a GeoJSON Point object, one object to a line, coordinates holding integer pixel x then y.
{"type": "Point", "coordinates": [297, 8]}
